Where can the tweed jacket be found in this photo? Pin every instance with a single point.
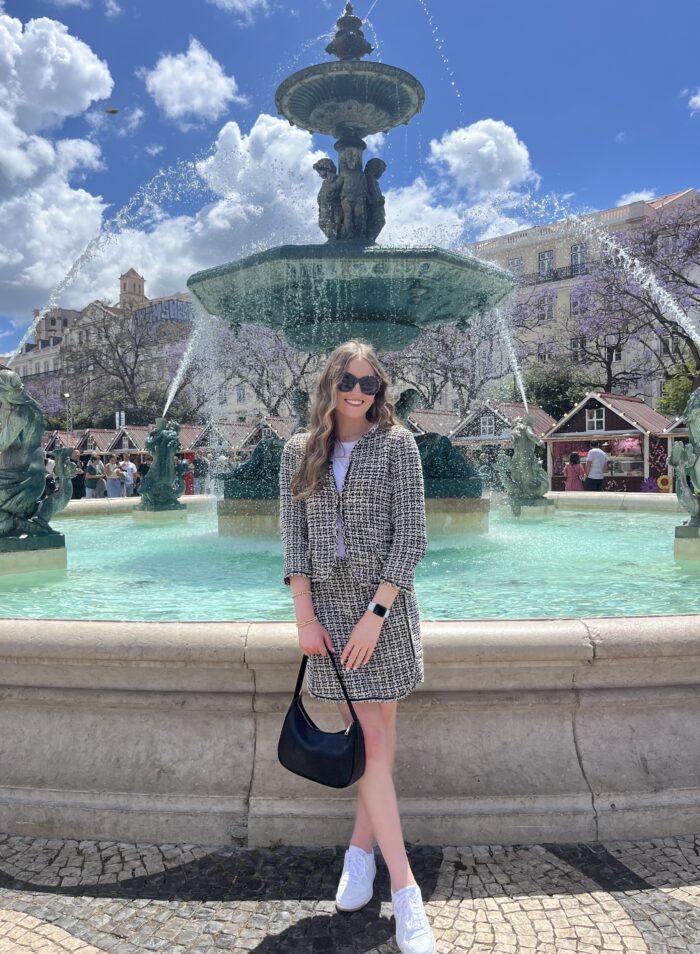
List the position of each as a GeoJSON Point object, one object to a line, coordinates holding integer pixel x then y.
{"type": "Point", "coordinates": [382, 505]}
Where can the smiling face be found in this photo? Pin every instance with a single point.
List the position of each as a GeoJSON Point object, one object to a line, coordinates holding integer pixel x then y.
{"type": "Point", "coordinates": [353, 405]}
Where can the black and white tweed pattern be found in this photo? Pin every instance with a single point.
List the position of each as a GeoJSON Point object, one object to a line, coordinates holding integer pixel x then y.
{"type": "Point", "coordinates": [396, 665]}
{"type": "Point", "coordinates": [383, 509]}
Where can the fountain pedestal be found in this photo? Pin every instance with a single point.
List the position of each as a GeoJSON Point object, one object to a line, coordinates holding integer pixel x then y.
{"type": "Point", "coordinates": [32, 554]}
{"type": "Point", "coordinates": [170, 514]}
{"type": "Point", "coordinates": [686, 545]}
{"type": "Point", "coordinates": [532, 508]}
{"type": "Point", "coordinates": [457, 515]}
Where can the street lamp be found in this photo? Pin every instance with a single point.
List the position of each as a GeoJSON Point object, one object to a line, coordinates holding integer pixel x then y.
{"type": "Point", "coordinates": [69, 413]}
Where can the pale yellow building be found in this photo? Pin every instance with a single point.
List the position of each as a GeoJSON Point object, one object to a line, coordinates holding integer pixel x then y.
{"type": "Point", "coordinates": [551, 261]}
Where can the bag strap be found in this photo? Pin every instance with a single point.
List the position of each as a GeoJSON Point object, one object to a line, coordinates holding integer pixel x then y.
{"type": "Point", "coordinates": [300, 680]}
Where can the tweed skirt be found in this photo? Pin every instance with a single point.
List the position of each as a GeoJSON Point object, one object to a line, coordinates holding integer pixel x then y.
{"type": "Point", "coordinates": [396, 665]}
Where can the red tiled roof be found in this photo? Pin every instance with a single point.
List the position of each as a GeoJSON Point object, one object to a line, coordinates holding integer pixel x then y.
{"type": "Point", "coordinates": [510, 410]}
{"type": "Point", "coordinates": [189, 433]}
{"type": "Point", "coordinates": [431, 421]}
{"type": "Point", "coordinates": [632, 409]}
{"type": "Point", "coordinates": [102, 438]}
{"type": "Point", "coordinates": [65, 439]}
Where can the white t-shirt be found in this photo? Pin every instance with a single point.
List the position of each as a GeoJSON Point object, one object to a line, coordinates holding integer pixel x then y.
{"type": "Point", "coordinates": [129, 469]}
{"type": "Point", "coordinates": [341, 460]}
{"type": "Point", "coordinates": [598, 459]}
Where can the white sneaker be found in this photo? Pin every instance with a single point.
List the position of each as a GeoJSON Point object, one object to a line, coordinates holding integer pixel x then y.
{"type": "Point", "coordinates": [356, 885]}
{"type": "Point", "coordinates": [413, 932]}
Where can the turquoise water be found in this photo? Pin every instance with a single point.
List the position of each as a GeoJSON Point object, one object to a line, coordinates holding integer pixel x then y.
{"type": "Point", "coordinates": [577, 564]}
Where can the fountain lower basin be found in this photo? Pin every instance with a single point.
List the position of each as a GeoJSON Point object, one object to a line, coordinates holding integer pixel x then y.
{"type": "Point", "coordinates": [322, 295]}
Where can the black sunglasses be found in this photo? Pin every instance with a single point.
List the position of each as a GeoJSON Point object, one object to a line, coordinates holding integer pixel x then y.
{"type": "Point", "coordinates": [369, 384]}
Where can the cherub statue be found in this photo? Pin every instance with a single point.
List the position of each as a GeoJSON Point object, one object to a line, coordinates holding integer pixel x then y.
{"type": "Point", "coordinates": [526, 479]}
{"type": "Point", "coordinates": [329, 211]}
{"type": "Point", "coordinates": [353, 195]}
{"type": "Point", "coordinates": [376, 217]}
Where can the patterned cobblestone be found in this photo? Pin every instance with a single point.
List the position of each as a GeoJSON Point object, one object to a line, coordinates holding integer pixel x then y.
{"type": "Point", "coordinates": [111, 898]}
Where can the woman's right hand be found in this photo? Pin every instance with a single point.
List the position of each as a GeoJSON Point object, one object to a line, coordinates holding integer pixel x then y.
{"type": "Point", "coordinates": [314, 639]}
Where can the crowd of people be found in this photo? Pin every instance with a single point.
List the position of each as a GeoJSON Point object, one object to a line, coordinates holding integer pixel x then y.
{"type": "Point", "coordinates": [112, 476]}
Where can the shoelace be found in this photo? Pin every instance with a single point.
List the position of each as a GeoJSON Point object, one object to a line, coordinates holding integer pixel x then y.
{"type": "Point", "coordinates": [356, 867]}
{"type": "Point", "coordinates": [410, 910]}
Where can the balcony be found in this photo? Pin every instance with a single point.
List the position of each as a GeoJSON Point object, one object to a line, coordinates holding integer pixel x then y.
{"type": "Point", "coordinates": [555, 274]}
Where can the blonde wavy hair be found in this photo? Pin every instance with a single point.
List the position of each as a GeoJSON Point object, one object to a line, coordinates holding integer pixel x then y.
{"type": "Point", "coordinates": [322, 434]}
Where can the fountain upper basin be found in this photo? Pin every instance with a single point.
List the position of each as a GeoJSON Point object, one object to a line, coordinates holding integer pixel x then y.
{"type": "Point", "coordinates": [322, 295]}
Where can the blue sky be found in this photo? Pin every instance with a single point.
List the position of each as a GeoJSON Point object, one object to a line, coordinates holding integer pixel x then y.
{"type": "Point", "coordinates": [592, 102]}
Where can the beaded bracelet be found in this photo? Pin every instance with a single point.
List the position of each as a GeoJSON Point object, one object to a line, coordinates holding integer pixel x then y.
{"type": "Point", "coordinates": [306, 622]}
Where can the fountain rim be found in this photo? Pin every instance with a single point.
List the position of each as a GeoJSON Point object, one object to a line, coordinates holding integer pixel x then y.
{"type": "Point", "coordinates": [355, 68]}
{"type": "Point", "coordinates": [347, 252]}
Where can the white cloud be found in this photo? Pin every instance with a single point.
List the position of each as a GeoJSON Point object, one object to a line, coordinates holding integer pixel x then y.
{"type": "Point", "coordinates": [485, 156]}
{"type": "Point", "coordinates": [694, 102]}
{"type": "Point", "coordinates": [643, 195]}
{"type": "Point", "coordinates": [191, 84]}
{"type": "Point", "coordinates": [415, 217]}
{"type": "Point", "coordinates": [154, 149]}
{"type": "Point", "coordinates": [46, 75]}
{"type": "Point", "coordinates": [112, 8]}
{"type": "Point", "coordinates": [244, 10]}
{"type": "Point", "coordinates": [132, 120]}
{"type": "Point", "coordinates": [375, 143]}
{"type": "Point", "coordinates": [71, 3]}
{"type": "Point", "coordinates": [621, 136]}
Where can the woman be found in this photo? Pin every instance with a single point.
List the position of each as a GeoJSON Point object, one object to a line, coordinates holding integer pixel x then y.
{"type": "Point", "coordinates": [352, 516]}
{"type": "Point", "coordinates": [113, 475]}
{"type": "Point", "coordinates": [574, 473]}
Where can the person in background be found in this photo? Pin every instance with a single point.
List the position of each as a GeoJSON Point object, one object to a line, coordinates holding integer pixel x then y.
{"type": "Point", "coordinates": [93, 474]}
{"type": "Point", "coordinates": [596, 462]}
{"type": "Point", "coordinates": [50, 483]}
{"type": "Point", "coordinates": [79, 479]}
{"type": "Point", "coordinates": [112, 477]}
{"type": "Point", "coordinates": [128, 468]}
{"type": "Point", "coordinates": [574, 473]}
{"type": "Point", "coordinates": [200, 474]}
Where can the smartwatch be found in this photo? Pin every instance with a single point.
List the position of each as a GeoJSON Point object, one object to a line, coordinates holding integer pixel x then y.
{"type": "Point", "coordinates": [378, 609]}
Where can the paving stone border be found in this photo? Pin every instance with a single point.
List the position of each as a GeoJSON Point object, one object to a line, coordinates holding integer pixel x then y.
{"type": "Point", "coordinates": [89, 897]}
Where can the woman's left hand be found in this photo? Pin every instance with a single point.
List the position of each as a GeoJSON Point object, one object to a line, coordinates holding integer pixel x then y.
{"type": "Point", "coordinates": [363, 638]}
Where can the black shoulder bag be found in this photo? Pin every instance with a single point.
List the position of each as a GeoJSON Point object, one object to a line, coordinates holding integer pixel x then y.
{"type": "Point", "coordinates": [336, 759]}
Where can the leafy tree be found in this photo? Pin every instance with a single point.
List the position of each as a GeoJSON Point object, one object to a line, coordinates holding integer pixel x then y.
{"type": "Point", "coordinates": [676, 391]}
{"type": "Point", "coordinates": [555, 386]}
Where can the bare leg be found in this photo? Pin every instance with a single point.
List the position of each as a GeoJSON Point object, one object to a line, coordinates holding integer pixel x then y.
{"type": "Point", "coordinates": [378, 796]}
{"type": "Point", "coordinates": [362, 832]}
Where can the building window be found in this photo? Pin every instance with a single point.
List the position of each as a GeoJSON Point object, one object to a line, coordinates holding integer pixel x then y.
{"type": "Point", "coordinates": [487, 425]}
{"type": "Point", "coordinates": [53, 322]}
{"type": "Point", "coordinates": [46, 367]}
{"type": "Point", "coordinates": [56, 364]}
{"type": "Point", "coordinates": [545, 351]}
{"type": "Point", "coordinates": [577, 307]}
{"type": "Point", "coordinates": [223, 394]}
{"type": "Point", "coordinates": [80, 337]}
{"type": "Point", "coordinates": [125, 442]}
{"type": "Point", "coordinates": [578, 259]}
{"type": "Point", "coordinates": [578, 349]}
{"type": "Point", "coordinates": [37, 368]}
{"type": "Point", "coordinates": [670, 345]}
{"type": "Point", "coordinates": [240, 394]}
{"type": "Point", "coordinates": [455, 404]}
{"type": "Point", "coordinates": [613, 349]}
{"type": "Point", "coordinates": [546, 263]}
{"type": "Point", "coordinates": [516, 264]}
{"type": "Point", "coordinates": [595, 418]}
{"type": "Point", "coordinates": [545, 308]}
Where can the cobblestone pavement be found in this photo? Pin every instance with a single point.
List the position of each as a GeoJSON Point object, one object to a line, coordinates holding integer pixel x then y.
{"type": "Point", "coordinates": [93, 897]}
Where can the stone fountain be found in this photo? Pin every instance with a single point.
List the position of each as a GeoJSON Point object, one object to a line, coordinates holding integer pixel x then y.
{"type": "Point", "coordinates": [321, 295]}
{"type": "Point", "coordinates": [524, 478]}
{"type": "Point", "coordinates": [686, 462]}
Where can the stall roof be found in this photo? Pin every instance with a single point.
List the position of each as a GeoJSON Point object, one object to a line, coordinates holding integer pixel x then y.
{"type": "Point", "coordinates": [429, 421]}
{"type": "Point", "coordinates": [639, 415]}
{"type": "Point", "coordinates": [102, 438]}
{"type": "Point", "coordinates": [677, 426]}
{"type": "Point", "coordinates": [509, 410]}
{"type": "Point", "coordinates": [63, 439]}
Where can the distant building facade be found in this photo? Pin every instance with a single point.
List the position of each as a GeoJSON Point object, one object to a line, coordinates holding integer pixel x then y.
{"type": "Point", "coordinates": [555, 258]}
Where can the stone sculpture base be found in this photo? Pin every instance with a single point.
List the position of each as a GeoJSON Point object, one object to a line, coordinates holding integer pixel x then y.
{"type": "Point", "coordinates": [443, 515]}
{"type": "Point", "coordinates": [686, 545]}
{"type": "Point", "coordinates": [33, 554]}
{"type": "Point", "coordinates": [532, 508]}
{"type": "Point", "coordinates": [457, 515]}
{"type": "Point", "coordinates": [248, 518]}
{"type": "Point", "coordinates": [167, 515]}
